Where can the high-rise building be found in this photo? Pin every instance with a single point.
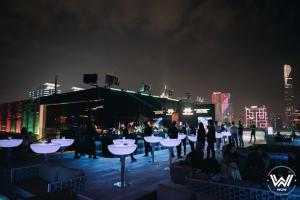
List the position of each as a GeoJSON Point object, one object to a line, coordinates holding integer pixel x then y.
{"type": "Point", "coordinates": [296, 119]}
{"type": "Point", "coordinates": [223, 106]}
{"type": "Point", "coordinates": [46, 89]}
{"type": "Point", "coordinates": [289, 98]}
{"type": "Point", "coordinates": [257, 116]}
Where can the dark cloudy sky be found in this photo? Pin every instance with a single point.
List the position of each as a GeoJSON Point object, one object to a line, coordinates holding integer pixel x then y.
{"type": "Point", "coordinates": [196, 46]}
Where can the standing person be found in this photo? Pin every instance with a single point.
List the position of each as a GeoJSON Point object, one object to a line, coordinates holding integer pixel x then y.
{"type": "Point", "coordinates": [125, 133]}
{"type": "Point", "coordinates": [211, 139]}
{"type": "Point", "coordinates": [218, 136]}
{"type": "Point", "coordinates": [192, 132]}
{"type": "Point", "coordinates": [77, 140]}
{"type": "Point", "coordinates": [90, 132]}
{"type": "Point", "coordinates": [201, 135]}
{"type": "Point", "coordinates": [253, 133]}
{"type": "Point", "coordinates": [184, 131]}
{"type": "Point", "coordinates": [26, 138]}
{"type": "Point", "coordinates": [234, 131]}
{"type": "Point", "coordinates": [147, 132]}
{"type": "Point", "coordinates": [223, 130]}
{"type": "Point", "coordinates": [227, 129]}
{"type": "Point", "coordinates": [173, 134]}
{"type": "Point", "coordinates": [240, 134]}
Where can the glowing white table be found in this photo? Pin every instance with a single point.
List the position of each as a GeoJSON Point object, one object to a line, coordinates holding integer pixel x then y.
{"type": "Point", "coordinates": [192, 138]}
{"type": "Point", "coordinates": [226, 135]}
{"type": "Point", "coordinates": [219, 135]}
{"type": "Point", "coordinates": [122, 150]}
{"type": "Point", "coordinates": [170, 143]}
{"type": "Point", "coordinates": [10, 143]}
{"type": "Point", "coordinates": [63, 144]}
{"type": "Point", "coordinates": [181, 136]}
{"type": "Point", "coordinates": [152, 140]}
{"type": "Point", "coordinates": [124, 141]}
{"type": "Point", "coordinates": [44, 148]}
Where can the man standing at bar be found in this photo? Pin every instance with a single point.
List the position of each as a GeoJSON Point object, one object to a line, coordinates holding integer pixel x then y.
{"type": "Point", "coordinates": [184, 131]}
{"type": "Point", "coordinates": [147, 132]}
{"type": "Point", "coordinates": [240, 134]}
{"type": "Point", "coordinates": [173, 134]}
{"type": "Point", "coordinates": [211, 139]}
{"type": "Point", "coordinates": [125, 133]}
{"type": "Point", "coordinates": [234, 134]}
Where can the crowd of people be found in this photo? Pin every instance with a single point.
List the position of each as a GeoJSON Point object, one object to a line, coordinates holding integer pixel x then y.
{"type": "Point", "coordinates": [212, 134]}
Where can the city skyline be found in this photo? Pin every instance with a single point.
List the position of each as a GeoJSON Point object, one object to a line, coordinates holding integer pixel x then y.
{"type": "Point", "coordinates": [191, 46]}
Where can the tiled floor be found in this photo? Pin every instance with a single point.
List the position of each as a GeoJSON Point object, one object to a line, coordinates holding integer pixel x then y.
{"type": "Point", "coordinates": [103, 172]}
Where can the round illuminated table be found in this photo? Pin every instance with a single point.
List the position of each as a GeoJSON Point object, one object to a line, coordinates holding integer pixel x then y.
{"type": "Point", "coordinates": [192, 138]}
{"type": "Point", "coordinates": [122, 150]}
{"type": "Point", "coordinates": [10, 143]}
{"type": "Point", "coordinates": [124, 141]}
{"type": "Point", "coordinates": [226, 134]}
{"type": "Point", "coordinates": [63, 144]}
{"type": "Point", "coordinates": [152, 140]}
{"type": "Point", "coordinates": [170, 143]}
{"type": "Point", "coordinates": [181, 136]}
{"type": "Point", "coordinates": [44, 148]}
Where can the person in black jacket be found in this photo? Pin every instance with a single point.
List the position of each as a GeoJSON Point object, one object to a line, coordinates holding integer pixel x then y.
{"type": "Point", "coordinates": [173, 134]}
{"type": "Point", "coordinates": [90, 132]}
{"type": "Point", "coordinates": [184, 131]}
{"type": "Point", "coordinates": [211, 139]}
{"type": "Point", "coordinates": [240, 135]}
{"type": "Point", "coordinates": [201, 135]}
{"type": "Point", "coordinates": [192, 132]}
{"type": "Point", "coordinates": [147, 132]}
{"type": "Point", "coordinates": [126, 134]}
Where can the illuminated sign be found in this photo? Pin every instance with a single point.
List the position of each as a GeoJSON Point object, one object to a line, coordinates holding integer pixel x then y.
{"type": "Point", "coordinates": [257, 116]}
{"type": "Point", "coordinates": [187, 111]}
{"type": "Point", "coordinates": [199, 110]}
{"type": "Point", "coordinates": [158, 112]}
{"type": "Point", "coordinates": [170, 111]}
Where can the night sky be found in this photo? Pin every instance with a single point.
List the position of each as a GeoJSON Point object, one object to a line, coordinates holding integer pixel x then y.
{"type": "Point", "coordinates": [196, 46]}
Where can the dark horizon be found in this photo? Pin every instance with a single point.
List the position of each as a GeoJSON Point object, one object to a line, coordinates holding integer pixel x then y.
{"type": "Point", "coordinates": [191, 46]}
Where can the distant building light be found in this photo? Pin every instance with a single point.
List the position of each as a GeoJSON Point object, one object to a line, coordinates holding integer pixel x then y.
{"type": "Point", "coordinates": [50, 85]}
{"type": "Point", "coordinates": [75, 89]}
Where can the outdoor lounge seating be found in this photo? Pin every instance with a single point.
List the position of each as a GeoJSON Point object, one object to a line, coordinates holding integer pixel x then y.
{"type": "Point", "coordinates": [232, 191]}
{"type": "Point", "coordinates": [46, 178]}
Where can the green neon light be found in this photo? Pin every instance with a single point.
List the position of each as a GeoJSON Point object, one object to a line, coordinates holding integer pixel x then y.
{"type": "Point", "coordinates": [155, 96]}
{"type": "Point", "coordinates": [172, 99]}
{"type": "Point", "coordinates": [116, 89]}
{"type": "Point", "coordinates": [130, 91]}
{"type": "Point", "coordinates": [144, 94]}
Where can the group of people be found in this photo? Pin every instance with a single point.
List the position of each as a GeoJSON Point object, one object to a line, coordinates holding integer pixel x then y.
{"type": "Point", "coordinates": [84, 140]}
{"type": "Point", "coordinates": [212, 134]}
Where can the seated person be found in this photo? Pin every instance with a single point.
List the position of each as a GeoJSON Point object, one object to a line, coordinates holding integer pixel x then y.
{"type": "Point", "coordinates": [230, 154]}
{"type": "Point", "coordinates": [230, 172]}
{"type": "Point", "coordinates": [211, 166]}
{"type": "Point", "coordinates": [257, 165]}
{"type": "Point", "coordinates": [194, 159]}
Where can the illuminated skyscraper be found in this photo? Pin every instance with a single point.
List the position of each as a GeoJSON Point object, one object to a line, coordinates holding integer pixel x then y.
{"type": "Point", "coordinates": [257, 116]}
{"type": "Point", "coordinates": [288, 95]}
{"type": "Point", "coordinates": [223, 106]}
{"type": "Point", "coordinates": [46, 89]}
